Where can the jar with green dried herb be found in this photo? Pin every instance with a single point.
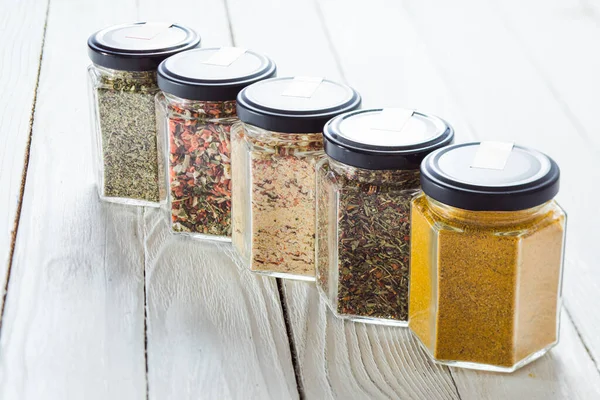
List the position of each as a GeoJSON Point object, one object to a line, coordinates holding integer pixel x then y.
{"type": "Point", "coordinates": [195, 111]}
{"type": "Point", "coordinates": [364, 189]}
{"type": "Point", "coordinates": [122, 80]}
{"type": "Point", "coordinates": [274, 153]}
{"type": "Point", "coordinates": [487, 256]}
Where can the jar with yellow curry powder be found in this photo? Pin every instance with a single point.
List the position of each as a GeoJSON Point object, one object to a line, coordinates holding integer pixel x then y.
{"type": "Point", "coordinates": [486, 256]}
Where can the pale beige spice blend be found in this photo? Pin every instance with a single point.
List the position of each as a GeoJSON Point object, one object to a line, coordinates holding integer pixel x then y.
{"type": "Point", "coordinates": [275, 230]}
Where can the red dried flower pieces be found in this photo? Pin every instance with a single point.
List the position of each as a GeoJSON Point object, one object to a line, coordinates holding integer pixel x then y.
{"type": "Point", "coordinates": [200, 166]}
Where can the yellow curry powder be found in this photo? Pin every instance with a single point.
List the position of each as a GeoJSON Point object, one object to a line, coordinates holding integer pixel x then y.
{"type": "Point", "coordinates": [485, 285]}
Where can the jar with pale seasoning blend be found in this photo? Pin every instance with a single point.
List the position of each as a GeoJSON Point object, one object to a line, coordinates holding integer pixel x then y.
{"type": "Point", "coordinates": [364, 189]}
{"type": "Point", "coordinates": [122, 81]}
{"type": "Point", "coordinates": [274, 153]}
{"type": "Point", "coordinates": [487, 256]}
{"type": "Point", "coordinates": [195, 113]}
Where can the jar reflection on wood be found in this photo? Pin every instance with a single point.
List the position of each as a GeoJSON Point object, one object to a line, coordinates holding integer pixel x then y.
{"type": "Point", "coordinates": [275, 151]}
{"type": "Point", "coordinates": [364, 189]}
{"type": "Point", "coordinates": [196, 111]}
{"type": "Point", "coordinates": [487, 256]}
{"type": "Point", "coordinates": [122, 81]}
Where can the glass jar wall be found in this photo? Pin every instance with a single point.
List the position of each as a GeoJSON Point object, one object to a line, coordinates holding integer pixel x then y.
{"type": "Point", "coordinates": [487, 255]}
{"type": "Point", "coordinates": [122, 81]}
{"type": "Point", "coordinates": [364, 189]}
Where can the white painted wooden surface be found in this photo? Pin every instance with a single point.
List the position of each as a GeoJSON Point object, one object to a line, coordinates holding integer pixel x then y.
{"type": "Point", "coordinates": [73, 323]}
{"type": "Point", "coordinates": [103, 303]}
{"type": "Point", "coordinates": [21, 35]}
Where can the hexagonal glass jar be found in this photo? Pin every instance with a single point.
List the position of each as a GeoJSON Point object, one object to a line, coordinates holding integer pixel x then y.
{"type": "Point", "coordinates": [274, 153]}
{"type": "Point", "coordinates": [122, 85]}
{"type": "Point", "coordinates": [195, 113]}
{"type": "Point", "coordinates": [486, 283]}
{"type": "Point", "coordinates": [364, 189]}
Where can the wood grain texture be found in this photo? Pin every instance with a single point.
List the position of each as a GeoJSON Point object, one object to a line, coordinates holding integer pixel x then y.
{"type": "Point", "coordinates": [564, 373]}
{"type": "Point", "coordinates": [346, 360]}
{"type": "Point", "coordinates": [215, 331]}
{"type": "Point", "coordinates": [21, 35]}
{"type": "Point", "coordinates": [73, 325]}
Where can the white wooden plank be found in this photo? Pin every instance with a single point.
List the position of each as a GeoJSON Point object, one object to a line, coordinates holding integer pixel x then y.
{"type": "Point", "coordinates": [74, 320]}
{"type": "Point", "coordinates": [562, 46]}
{"type": "Point", "coordinates": [337, 359]}
{"type": "Point", "coordinates": [558, 375]}
{"type": "Point", "coordinates": [346, 360]}
{"type": "Point", "coordinates": [21, 34]}
{"type": "Point", "coordinates": [288, 31]}
{"type": "Point", "coordinates": [502, 95]}
{"type": "Point", "coordinates": [215, 331]}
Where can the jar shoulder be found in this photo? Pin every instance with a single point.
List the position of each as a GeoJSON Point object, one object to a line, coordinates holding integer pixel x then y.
{"type": "Point", "coordinates": [514, 224]}
{"type": "Point", "coordinates": [130, 81]}
{"type": "Point", "coordinates": [348, 179]}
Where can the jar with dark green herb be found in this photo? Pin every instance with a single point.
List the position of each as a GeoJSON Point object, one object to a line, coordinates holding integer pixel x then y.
{"type": "Point", "coordinates": [122, 81]}
{"type": "Point", "coordinates": [364, 189]}
{"type": "Point", "coordinates": [195, 112]}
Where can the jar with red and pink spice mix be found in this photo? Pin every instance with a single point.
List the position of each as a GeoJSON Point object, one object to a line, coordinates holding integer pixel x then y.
{"type": "Point", "coordinates": [195, 113]}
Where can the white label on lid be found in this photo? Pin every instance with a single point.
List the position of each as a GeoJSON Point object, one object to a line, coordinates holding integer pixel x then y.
{"type": "Point", "coordinates": [302, 86]}
{"type": "Point", "coordinates": [149, 30]}
{"type": "Point", "coordinates": [392, 119]}
{"type": "Point", "coordinates": [225, 56]}
{"type": "Point", "coordinates": [492, 155]}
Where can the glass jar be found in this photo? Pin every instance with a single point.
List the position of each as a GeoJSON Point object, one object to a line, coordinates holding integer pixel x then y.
{"type": "Point", "coordinates": [364, 189]}
{"type": "Point", "coordinates": [122, 82]}
{"type": "Point", "coordinates": [195, 112]}
{"type": "Point", "coordinates": [487, 256]}
{"type": "Point", "coordinates": [274, 153]}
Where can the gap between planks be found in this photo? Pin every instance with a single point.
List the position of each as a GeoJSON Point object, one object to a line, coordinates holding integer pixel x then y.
{"type": "Point", "coordinates": [292, 343]}
{"type": "Point", "coordinates": [145, 241]}
{"type": "Point", "coordinates": [15, 229]}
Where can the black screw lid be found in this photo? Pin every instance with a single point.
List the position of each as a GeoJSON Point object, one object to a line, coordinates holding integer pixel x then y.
{"type": "Point", "coordinates": [295, 104]}
{"type": "Point", "coordinates": [390, 138]}
{"type": "Point", "coordinates": [213, 74]}
{"type": "Point", "coordinates": [139, 46]}
{"type": "Point", "coordinates": [489, 176]}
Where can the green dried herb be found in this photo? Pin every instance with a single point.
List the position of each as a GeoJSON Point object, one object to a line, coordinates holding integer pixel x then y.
{"type": "Point", "coordinates": [128, 128]}
{"type": "Point", "coordinates": [371, 211]}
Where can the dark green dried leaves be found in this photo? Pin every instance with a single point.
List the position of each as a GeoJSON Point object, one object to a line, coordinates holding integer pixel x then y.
{"type": "Point", "coordinates": [374, 241]}
{"type": "Point", "coordinates": [128, 129]}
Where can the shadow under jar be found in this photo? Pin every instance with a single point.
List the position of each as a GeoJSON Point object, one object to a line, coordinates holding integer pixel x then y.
{"type": "Point", "coordinates": [275, 151]}
{"type": "Point", "coordinates": [122, 81]}
{"type": "Point", "coordinates": [364, 189]}
{"type": "Point", "coordinates": [195, 111]}
{"type": "Point", "coordinates": [487, 256]}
